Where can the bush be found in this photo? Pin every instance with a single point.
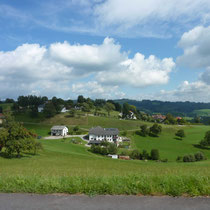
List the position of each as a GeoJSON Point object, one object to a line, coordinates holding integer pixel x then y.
{"type": "Point", "coordinates": [154, 154]}
{"type": "Point", "coordinates": [124, 153]}
{"type": "Point", "coordinates": [104, 151]}
{"type": "Point", "coordinates": [199, 156]}
{"type": "Point", "coordinates": [144, 155]}
{"type": "Point", "coordinates": [155, 130]}
{"type": "Point", "coordinates": [135, 154]}
{"type": "Point", "coordinates": [179, 158]}
{"type": "Point", "coordinates": [180, 133]}
{"type": "Point", "coordinates": [189, 158]}
{"type": "Point", "coordinates": [112, 149]}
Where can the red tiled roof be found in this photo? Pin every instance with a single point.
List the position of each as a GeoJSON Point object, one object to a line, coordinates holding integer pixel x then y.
{"type": "Point", "coordinates": [1, 115]}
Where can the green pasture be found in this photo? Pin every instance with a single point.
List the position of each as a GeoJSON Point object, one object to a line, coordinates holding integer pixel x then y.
{"type": "Point", "coordinates": [6, 107]}
{"type": "Point", "coordinates": [65, 167]}
{"type": "Point", "coordinates": [202, 112]}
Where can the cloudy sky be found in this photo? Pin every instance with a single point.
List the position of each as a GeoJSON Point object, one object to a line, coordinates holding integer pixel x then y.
{"type": "Point", "coordinates": [137, 49]}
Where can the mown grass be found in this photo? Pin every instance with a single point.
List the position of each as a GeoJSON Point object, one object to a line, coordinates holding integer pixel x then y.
{"type": "Point", "coordinates": [6, 107]}
{"type": "Point", "coordinates": [64, 167]}
{"type": "Point", "coordinates": [202, 112]}
{"type": "Point", "coordinates": [170, 146]}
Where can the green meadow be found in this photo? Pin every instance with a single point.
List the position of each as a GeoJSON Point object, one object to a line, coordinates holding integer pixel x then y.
{"type": "Point", "coordinates": [64, 167]}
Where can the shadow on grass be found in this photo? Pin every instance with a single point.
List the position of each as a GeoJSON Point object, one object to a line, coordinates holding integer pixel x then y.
{"type": "Point", "coordinates": [15, 156]}
{"type": "Point", "coordinates": [68, 116]}
{"type": "Point", "coordinates": [177, 138]}
{"type": "Point", "coordinates": [200, 147]}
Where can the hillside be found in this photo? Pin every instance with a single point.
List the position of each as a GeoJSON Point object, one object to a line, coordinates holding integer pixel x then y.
{"type": "Point", "coordinates": [177, 108]}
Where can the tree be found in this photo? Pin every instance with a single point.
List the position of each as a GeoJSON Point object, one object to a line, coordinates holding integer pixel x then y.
{"type": "Point", "coordinates": [16, 139]}
{"type": "Point", "coordinates": [109, 107]}
{"type": "Point", "coordinates": [135, 154]}
{"type": "Point", "coordinates": [80, 99]}
{"type": "Point", "coordinates": [199, 156]}
{"type": "Point", "coordinates": [170, 119]}
{"type": "Point", "coordinates": [3, 138]}
{"type": "Point", "coordinates": [112, 149]}
{"type": "Point", "coordinates": [154, 154]}
{"type": "Point", "coordinates": [180, 133]}
{"type": "Point", "coordinates": [118, 107]}
{"type": "Point", "coordinates": [85, 107]}
{"type": "Point", "coordinates": [155, 130]}
{"type": "Point", "coordinates": [144, 155]}
{"type": "Point", "coordinates": [126, 110]}
{"type": "Point", "coordinates": [72, 112]}
{"type": "Point", "coordinates": [189, 158]}
{"type": "Point", "coordinates": [144, 130]}
{"type": "Point", "coordinates": [69, 104]}
{"type": "Point", "coordinates": [206, 141]}
{"type": "Point", "coordinates": [76, 128]}
{"type": "Point", "coordinates": [49, 110]}
{"type": "Point", "coordinates": [197, 119]}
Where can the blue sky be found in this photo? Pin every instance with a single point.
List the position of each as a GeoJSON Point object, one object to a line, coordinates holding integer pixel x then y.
{"type": "Point", "coordinates": [154, 49]}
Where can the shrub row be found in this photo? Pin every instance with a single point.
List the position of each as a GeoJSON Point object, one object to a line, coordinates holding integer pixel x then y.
{"type": "Point", "coordinates": [198, 156]}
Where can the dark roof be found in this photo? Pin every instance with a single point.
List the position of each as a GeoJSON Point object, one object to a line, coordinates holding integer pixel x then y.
{"type": "Point", "coordinates": [104, 131]}
{"type": "Point", "coordinates": [58, 127]}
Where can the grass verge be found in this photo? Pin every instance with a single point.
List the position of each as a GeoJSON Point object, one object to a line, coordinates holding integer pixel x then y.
{"type": "Point", "coordinates": [191, 185]}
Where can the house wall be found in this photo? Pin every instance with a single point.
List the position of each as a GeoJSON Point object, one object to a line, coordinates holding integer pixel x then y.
{"type": "Point", "coordinates": [108, 138]}
{"type": "Point", "coordinates": [1, 121]}
{"type": "Point", "coordinates": [62, 132]}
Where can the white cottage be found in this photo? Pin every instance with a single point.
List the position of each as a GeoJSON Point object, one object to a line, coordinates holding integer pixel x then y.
{"type": "Point", "coordinates": [59, 130]}
{"type": "Point", "coordinates": [99, 134]}
{"type": "Point", "coordinates": [1, 118]}
{"type": "Point", "coordinates": [41, 108]}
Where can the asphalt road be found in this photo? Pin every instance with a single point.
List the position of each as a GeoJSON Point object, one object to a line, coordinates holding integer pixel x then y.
{"type": "Point", "coordinates": [80, 202]}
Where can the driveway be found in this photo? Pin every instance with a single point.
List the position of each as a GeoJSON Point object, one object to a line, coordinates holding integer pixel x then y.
{"type": "Point", "coordinates": [67, 136]}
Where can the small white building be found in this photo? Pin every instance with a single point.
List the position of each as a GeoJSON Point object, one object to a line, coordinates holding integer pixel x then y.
{"type": "Point", "coordinates": [1, 118]}
{"type": "Point", "coordinates": [59, 130]}
{"type": "Point", "coordinates": [41, 108]}
{"type": "Point", "coordinates": [99, 134]}
{"type": "Point", "coordinates": [64, 110]}
{"type": "Point", "coordinates": [113, 156]}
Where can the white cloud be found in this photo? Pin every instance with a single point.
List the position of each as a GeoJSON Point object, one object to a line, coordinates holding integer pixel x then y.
{"type": "Point", "coordinates": [188, 91]}
{"type": "Point", "coordinates": [32, 68]}
{"type": "Point", "coordinates": [151, 17]}
{"type": "Point", "coordinates": [139, 72]}
{"type": "Point", "coordinates": [95, 90]}
{"type": "Point", "coordinates": [196, 46]}
{"type": "Point", "coordinates": [88, 58]}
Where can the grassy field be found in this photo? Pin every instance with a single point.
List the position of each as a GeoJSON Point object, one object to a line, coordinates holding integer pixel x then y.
{"type": "Point", "coordinates": [6, 107]}
{"type": "Point", "coordinates": [202, 112]}
{"type": "Point", "coordinates": [64, 167]}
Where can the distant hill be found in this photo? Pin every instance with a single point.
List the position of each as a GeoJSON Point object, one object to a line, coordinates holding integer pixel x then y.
{"type": "Point", "coordinates": [177, 108]}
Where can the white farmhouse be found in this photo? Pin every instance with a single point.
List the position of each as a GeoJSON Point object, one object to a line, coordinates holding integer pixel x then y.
{"type": "Point", "coordinates": [64, 110]}
{"type": "Point", "coordinates": [1, 118]}
{"type": "Point", "coordinates": [41, 108]}
{"type": "Point", "coordinates": [59, 130]}
{"type": "Point", "coordinates": [99, 134]}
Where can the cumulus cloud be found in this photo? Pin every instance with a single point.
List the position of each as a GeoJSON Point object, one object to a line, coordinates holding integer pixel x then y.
{"type": "Point", "coordinates": [88, 58]}
{"type": "Point", "coordinates": [32, 68]}
{"type": "Point", "coordinates": [139, 72]}
{"type": "Point", "coordinates": [94, 89]}
{"type": "Point", "coordinates": [197, 91]}
{"type": "Point", "coordinates": [151, 17]}
{"type": "Point", "coordinates": [196, 46]}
